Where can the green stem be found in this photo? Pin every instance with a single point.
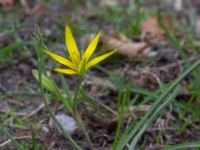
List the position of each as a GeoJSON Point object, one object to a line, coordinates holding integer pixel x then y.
{"type": "Point", "coordinates": [82, 126]}
{"type": "Point", "coordinates": [76, 114]}
{"type": "Point", "coordinates": [75, 100]}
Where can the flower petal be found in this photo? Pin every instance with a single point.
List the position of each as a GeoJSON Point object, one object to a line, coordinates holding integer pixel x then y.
{"type": "Point", "coordinates": [71, 46]}
{"type": "Point", "coordinates": [99, 59]}
{"type": "Point", "coordinates": [60, 59]}
{"type": "Point", "coordinates": [90, 50]}
{"type": "Point", "coordinates": [65, 71]}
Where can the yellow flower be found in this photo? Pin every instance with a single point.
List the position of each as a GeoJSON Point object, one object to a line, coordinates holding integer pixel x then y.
{"type": "Point", "coordinates": [78, 63]}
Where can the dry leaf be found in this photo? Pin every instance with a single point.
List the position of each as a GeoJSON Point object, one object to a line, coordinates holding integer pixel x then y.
{"type": "Point", "coordinates": [108, 3]}
{"type": "Point", "coordinates": [142, 108]}
{"type": "Point", "coordinates": [125, 46]}
{"type": "Point", "coordinates": [152, 28]}
{"type": "Point", "coordinates": [6, 4]}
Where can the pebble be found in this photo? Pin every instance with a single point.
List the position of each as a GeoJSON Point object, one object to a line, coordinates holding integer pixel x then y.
{"type": "Point", "coordinates": [68, 123]}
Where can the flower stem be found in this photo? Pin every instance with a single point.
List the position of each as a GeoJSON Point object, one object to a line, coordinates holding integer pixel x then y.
{"type": "Point", "coordinates": [83, 128]}
{"type": "Point", "coordinates": [75, 100]}
{"type": "Point", "coordinates": [77, 116]}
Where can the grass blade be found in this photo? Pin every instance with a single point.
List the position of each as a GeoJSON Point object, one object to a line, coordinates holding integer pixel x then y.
{"type": "Point", "coordinates": [158, 111]}
{"type": "Point", "coordinates": [124, 140]}
{"type": "Point", "coordinates": [183, 146]}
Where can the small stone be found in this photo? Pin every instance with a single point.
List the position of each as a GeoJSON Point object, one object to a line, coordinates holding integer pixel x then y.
{"type": "Point", "coordinates": [45, 129]}
{"type": "Point", "coordinates": [67, 122]}
{"type": "Point", "coordinates": [47, 32]}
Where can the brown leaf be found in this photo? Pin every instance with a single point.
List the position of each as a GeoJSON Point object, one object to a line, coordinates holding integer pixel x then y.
{"type": "Point", "coordinates": [108, 4]}
{"type": "Point", "coordinates": [152, 28]}
{"type": "Point", "coordinates": [125, 46]}
{"type": "Point", "coordinates": [6, 4]}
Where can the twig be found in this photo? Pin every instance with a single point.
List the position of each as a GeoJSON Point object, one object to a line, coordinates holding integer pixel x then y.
{"type": "Point", "coordinates": [178, 63]}
{"type": "Point", "coordinates": [12, 94]}
{"type": "Point", "coordinates": [155, 77]}
{"type": "Point", "coordinates": [34, 111]}
{"type": "Point", "coordinates": [16, 138]}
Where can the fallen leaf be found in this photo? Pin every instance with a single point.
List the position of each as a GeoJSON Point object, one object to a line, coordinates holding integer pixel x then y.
{"type": "Point", "coordinates": [108, 4]}
{"type": "Point", "coordinates": [126, 46]}
{"type": "Point", "coordinates": [6, 4]}
{"type": "Point", "coordinates": [152, 29]}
